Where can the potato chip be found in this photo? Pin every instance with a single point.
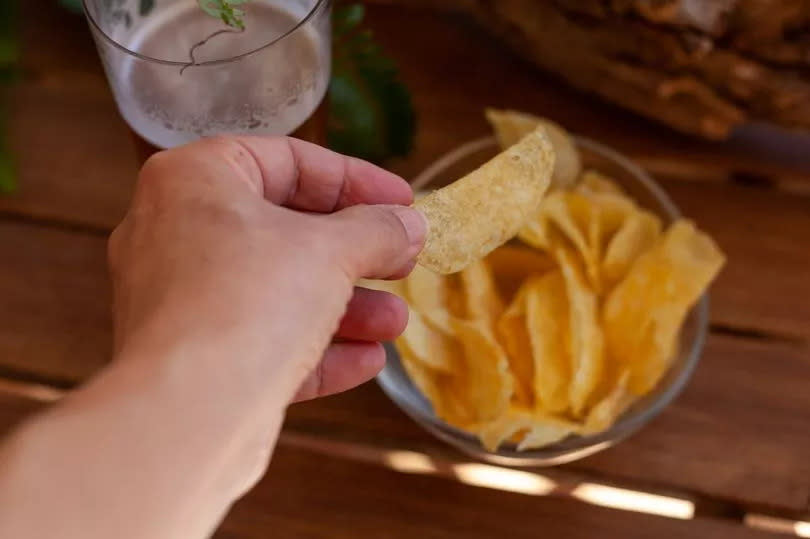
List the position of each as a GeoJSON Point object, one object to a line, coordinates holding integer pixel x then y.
{"type": "Point", "coordinates": [535, 232]}
{"type": "Point", "coordinates": [445, 392]}
{"type": "Point", "coordinates": [586, 341]}
{"type": "Point", "coordinates": [559, 336]}
{"type": "Point", "coordinates": [637, 235]}
{"type": "Point", "coordinates": [510, 126]}
{"type": "Point", "coordinates": [514, 335]}
{"type": "Point", "coordinates": [490, 385]}
{"type": "Point", "coordinates": [394, 287]}
{"type": "Point", "coordinates": [512, 265]}
{"type": "Point", "coordinates": [643, 314]}
{"type": "Point", "coordinates": [547, 321]}
{"type": "Point", "coordinates": [566, 216]}
{"type": "Point", "coordinates": [472, 216]}
{"type": "Point", "coordinates": [482, 300]}
{"type": "Point", "coordinates": [608, 409]}
{"type": "Point", "coordinates": [430, 346]}
{"type": "Point", "coordinates": [594, 182]}
{"type": "Point", "coordinates": [513, 421]}
{"type": "Point", "coordinates": [546, 430]}
{"type": "Point", "coordinates": [430, 295]}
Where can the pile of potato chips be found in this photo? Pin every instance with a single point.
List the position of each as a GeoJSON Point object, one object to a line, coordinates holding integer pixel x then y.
{"type": "Point", "coordinates": [558, 332]}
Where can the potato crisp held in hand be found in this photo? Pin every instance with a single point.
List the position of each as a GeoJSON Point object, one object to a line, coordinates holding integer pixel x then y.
{"type": "Point", "coordinates": [483, 210]}
{"type": "Point", "coordinates": [555, 334]}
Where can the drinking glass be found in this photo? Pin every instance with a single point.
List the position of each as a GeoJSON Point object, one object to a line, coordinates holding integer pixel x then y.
{"type": "Point", "coordinates": [178, 73]}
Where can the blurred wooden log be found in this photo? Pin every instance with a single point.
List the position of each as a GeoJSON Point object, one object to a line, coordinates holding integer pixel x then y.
{"type": "Point", "coordinates": [699, 67]}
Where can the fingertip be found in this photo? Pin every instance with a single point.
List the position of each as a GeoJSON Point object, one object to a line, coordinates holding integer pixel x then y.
{"type": "Point", "coordinates": [404, 271]}
{"type": "Point", "coordinates": [416, 227]}
{"type": "Point", "coordinates": [372, 360]}
{"type": "Point", "coordinates": [373, 315]}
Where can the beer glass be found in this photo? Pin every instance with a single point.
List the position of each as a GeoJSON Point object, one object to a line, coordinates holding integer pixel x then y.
{"type": "Point", "coordinates": [177, 73]}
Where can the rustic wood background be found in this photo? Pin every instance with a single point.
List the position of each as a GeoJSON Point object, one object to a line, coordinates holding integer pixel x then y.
{"type": "Point", "coordinates": [737, 442]}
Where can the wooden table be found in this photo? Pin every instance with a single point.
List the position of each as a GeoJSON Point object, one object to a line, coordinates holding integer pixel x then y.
{"type": "Point", "coordinates": [735, 446]}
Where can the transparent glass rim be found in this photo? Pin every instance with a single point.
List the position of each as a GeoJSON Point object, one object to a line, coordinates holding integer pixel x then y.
{"type": "Point", "coordinates": [573, 447]}
{"type": "Point", "coordinates": [303, 22]}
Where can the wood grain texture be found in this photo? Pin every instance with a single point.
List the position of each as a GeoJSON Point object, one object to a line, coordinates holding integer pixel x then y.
{"type": "Point", "coordinates": [738, 432]}
{"type": "Point", "coordinates": [307, 495]}
{"type": "Point", "coordinates": [74, 157]}
{"type": "Point", "coordinates": [54, 303]}
{"type": "Point", "coordinates": [766, 281]}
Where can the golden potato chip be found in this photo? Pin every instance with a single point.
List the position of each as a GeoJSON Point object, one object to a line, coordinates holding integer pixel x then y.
{"type": "Point", "coordinates": [394, 287]}
{"type": "Point", "coordinates": [612, 209]}
{"type": "Point", "coordinates": [472, 216]}
{"type": "Point", "coordinates": [643, 314]}
{"type": "Point", "coordinates": [445, 392]}
{"type": "Point", "coordinates": [429, 294]}
{"type": "Point", "coordinates": [515, 337]}
{"type": "Point", "coordinates": [547, 324]}
{"type": "Point", "coordinates": [568, 215]}
{"type": "Point", "coordinates": [604, 214]}
{"type": "Point", "coordinates": [538, 342]}
{"type": "Point", "coordinates": [481, 297]}
{"type": "Point", "coordinates": [490, 385]}
{"type": "Point", "coordinates": [586, 341]}
{"type": "Point", "coordinates": [510, 126]}
{"type": "Point", "coordinates": [594, 182]}
{"type": "Point", "coordinates": [430, 346]}
{"type": "Point", "coordinates": [536, 232]}
{"type": "Point", "coordinates": [513, 421]}
{"type": "Point", "coordinates": [637, 235]}
{"type": "Point", "coordinates": [605, 413]}
{"type": "Point", "coordinates": [512, 265]}
{"type": "Point", "coordinates": [546, 430]}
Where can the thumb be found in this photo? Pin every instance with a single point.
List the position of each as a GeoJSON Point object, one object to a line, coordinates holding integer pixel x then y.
{"type": "Point", "coordinates": [376, 241]}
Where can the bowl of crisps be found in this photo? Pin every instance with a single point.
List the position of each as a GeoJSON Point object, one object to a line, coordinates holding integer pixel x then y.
{"type": "Point", "coordinates": [570, 337]}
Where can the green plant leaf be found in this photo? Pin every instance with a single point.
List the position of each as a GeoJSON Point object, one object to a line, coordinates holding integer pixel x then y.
{"type": "Point", "coordinates": [225, 10]}
{"type": "Point", "coordinates": [370, 111]}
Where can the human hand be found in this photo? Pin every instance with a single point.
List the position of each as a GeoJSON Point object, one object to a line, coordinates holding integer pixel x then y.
{"type": "Point", "coordinates": [264, 239]}
{"type": "Point", "coordinates": [233, 271]}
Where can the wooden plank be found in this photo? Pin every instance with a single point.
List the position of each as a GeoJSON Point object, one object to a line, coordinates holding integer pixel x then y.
{"type": "Point", "coordinates": [54, 38]}
{"type": "Point", "coordinates": [766, 282]}
{"type": "Point", "coordinates": [74, 157]}
{"type": "Point", "coordinates": [306, 495]}
{"type": "Point", "coordinates": [54, 303]}
{"type": "Point", "coordinates": [747, 397]}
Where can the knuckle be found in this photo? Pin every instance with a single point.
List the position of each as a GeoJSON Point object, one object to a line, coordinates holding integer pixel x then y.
{"type": "Point", "coordinates": [154, 178]}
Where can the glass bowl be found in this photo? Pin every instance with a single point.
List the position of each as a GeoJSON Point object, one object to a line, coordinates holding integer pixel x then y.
{"type": "Point", "coordinates": [637, 183]}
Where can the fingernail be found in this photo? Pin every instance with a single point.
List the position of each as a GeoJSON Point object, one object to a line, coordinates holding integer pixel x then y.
{"type": "Point", "coordinates": [415, 226]}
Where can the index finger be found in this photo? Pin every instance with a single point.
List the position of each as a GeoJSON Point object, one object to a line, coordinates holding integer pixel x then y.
{"type": "Point", "coordinates": [307, 177]}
